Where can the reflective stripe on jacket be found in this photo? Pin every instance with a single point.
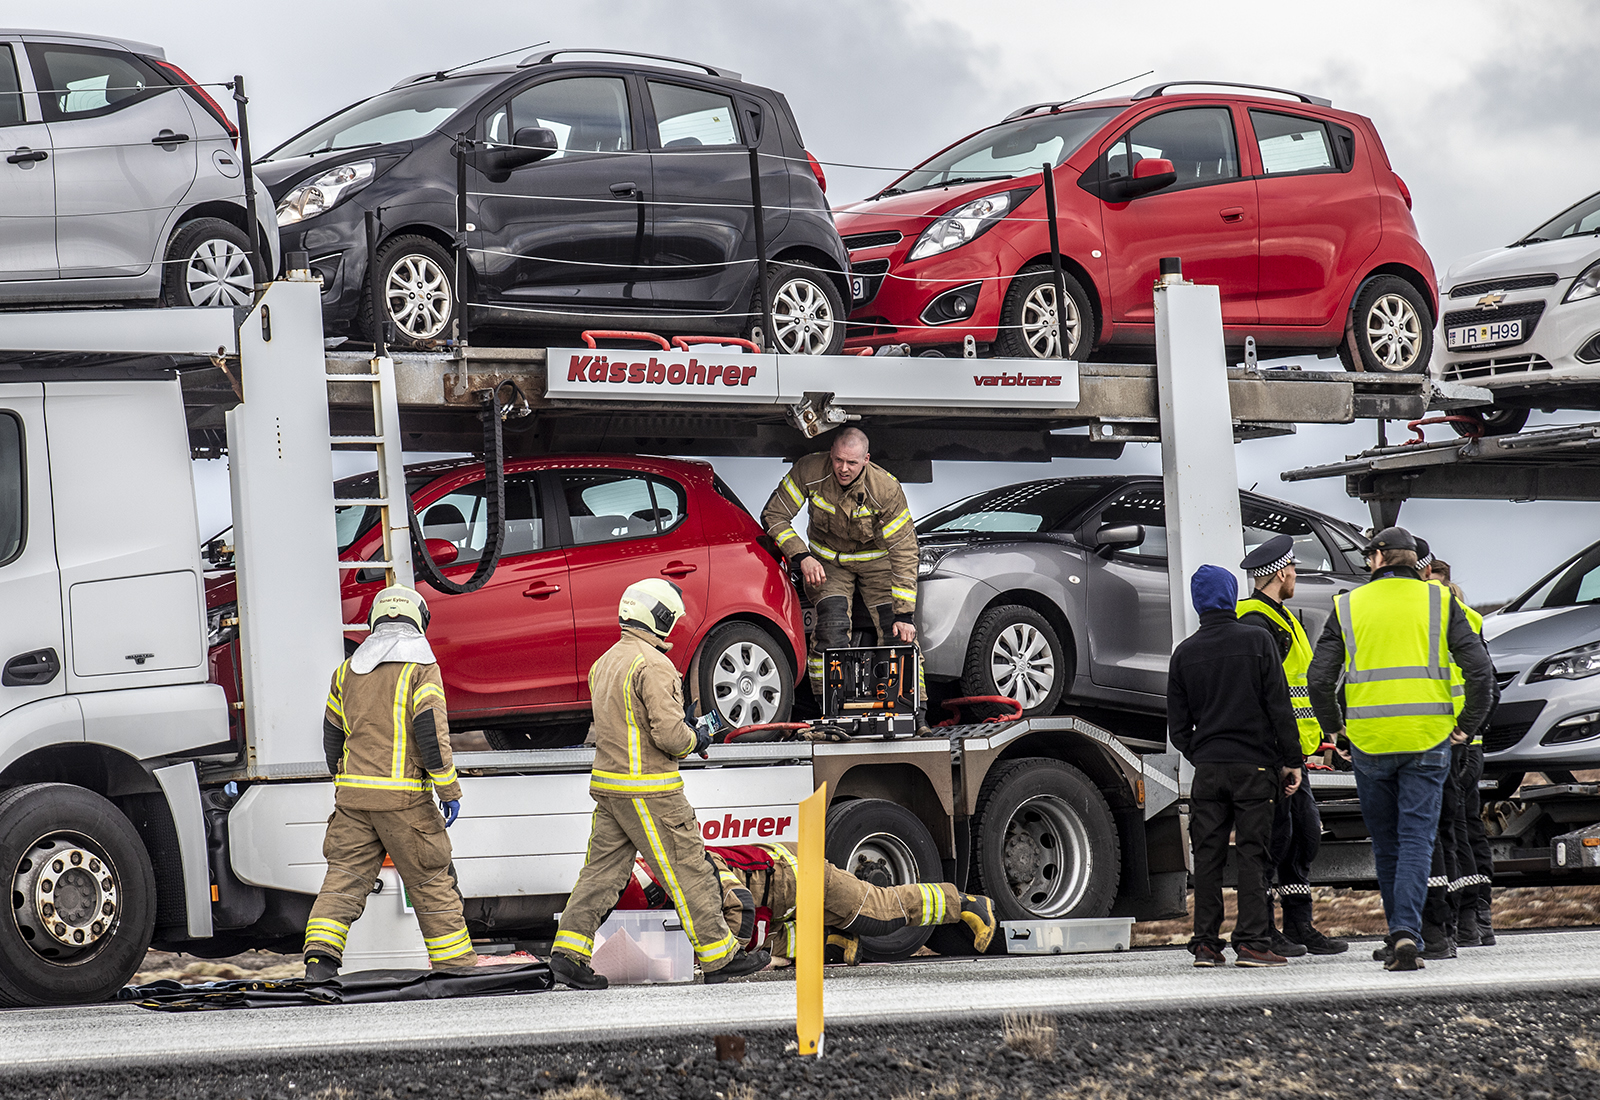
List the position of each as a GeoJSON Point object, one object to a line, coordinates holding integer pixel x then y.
{"type": "Point", "coordinates": [1397, 665]}
{"type": "Point", "coordinates": [639, 732]}
{"type": "Point", "coordinates": [389, 760]}
{"type": "Point", "coordinates": [865, 521]}
{"type": "Point", "coordinates": [1295, 665]}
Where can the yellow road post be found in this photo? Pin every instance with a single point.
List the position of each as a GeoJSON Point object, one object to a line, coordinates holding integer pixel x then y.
{"type": "Point", "coordinates": [808, 924]}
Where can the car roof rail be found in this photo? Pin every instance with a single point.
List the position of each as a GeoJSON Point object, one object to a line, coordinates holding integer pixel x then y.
{"type": "Point", "coordinates": [544, 57]}
{"type": "Point", "coordinates": [1161, 89]}
{"type": "Point", "coordinates": [1032, 107]}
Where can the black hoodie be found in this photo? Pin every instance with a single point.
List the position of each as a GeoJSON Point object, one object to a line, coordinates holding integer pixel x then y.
{"type": "Point", "coordinates": [1227, 699]}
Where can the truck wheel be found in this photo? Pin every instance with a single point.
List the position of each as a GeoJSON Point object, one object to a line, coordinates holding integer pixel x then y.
{"type": "Point", "coordinates": [83, 896]}
{"type": "Point", "coordinates": [1028, 317]}
{"type": "Point", "coordinates": [1046, 845]}
{"type": "Point", "coordinates": [1390, 328]}
{"type": "Point", "coordinates": [867, 830]}
{"type": "Point", "coordinates": [1014, 651]}
{"type": "Point", "coordinates": [744, 674]}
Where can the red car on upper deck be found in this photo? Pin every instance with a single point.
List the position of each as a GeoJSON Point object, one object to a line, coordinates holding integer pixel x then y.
{"type": "Point", "coordinates": [1289, 206]}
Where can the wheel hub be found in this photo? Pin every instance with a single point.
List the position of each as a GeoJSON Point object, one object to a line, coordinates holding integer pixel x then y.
{"type": "Point", "coordinates": [1047, 856]}
{"type": "Point", "coordinates": [219, 274]}
{"type": "Point", "coordinates": [746, 684]}
{"type": "Point", "coordinates": [64, 894]}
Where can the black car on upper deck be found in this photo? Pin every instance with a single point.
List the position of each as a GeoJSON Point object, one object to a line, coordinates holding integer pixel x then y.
{"type": "Point", "coordinates": [607, 193]}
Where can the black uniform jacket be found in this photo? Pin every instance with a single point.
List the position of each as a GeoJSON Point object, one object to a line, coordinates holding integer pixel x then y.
{"type": "Point", "coordinates": [1227, 699]}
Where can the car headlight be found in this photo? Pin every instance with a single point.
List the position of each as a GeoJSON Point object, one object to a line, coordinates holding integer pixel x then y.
{"type": "Point", "coordinates": [1576, 663]}
{"type": "Point", "coordinates": [966, 223]}
{"type": "Point", "coordinates": [222, 624]}
{"type": "Point", "coordinates": [929, 557]}
{"type": "Point", "coordinates": [325, 192]}
{"type": "Point", "coordinates": [1586, 285]}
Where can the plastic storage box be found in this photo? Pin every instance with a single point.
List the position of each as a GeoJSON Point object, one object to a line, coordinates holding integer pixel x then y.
{"type": "Point", "coordinates": [643, 947]}
{"type": "Point", "coordinates": [1067, 937]}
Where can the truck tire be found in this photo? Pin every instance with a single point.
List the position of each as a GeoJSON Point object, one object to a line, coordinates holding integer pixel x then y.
{"type": "Point", "coordinates": [745, 675]}
{"type": "Point", "coordinates": [1015, 651]}
{"type": "Point", "coordinates": [1045, 844]}
{"type": "Point", "coordinates": [870, 829]}
{"type": "Point", "coordinates": [83, 896]}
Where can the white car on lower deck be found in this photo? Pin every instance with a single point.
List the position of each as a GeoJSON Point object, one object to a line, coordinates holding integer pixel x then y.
{"type": "Point", "coordinates": [1524, 320]}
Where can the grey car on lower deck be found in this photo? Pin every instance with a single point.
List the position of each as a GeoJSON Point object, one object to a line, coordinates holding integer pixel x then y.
{"type": "Point", "coordinates": [1057, 588]}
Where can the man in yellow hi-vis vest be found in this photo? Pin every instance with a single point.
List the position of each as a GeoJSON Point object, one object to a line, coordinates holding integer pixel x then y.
{"type": "Point", "coordinates": [640, 733]}
{"type": "Point", "coordinates": [1394, 641]}
{"type": "Point", "coordinates": [387, 743]}
{"type": "Point", "coordinates": [1296, 824]}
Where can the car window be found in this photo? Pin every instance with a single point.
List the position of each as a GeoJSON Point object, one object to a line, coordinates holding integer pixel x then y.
{"type": "Point", "coordinates": [1009, 149]}
{"type": "Point", "coordinates": [403, 114]}
{"type": "Point", "coordinates": [461, 518]}
{"type": "Point", "coordinates": [607, 505]}
{"type": "Point", "coordinates": [82, 82]}
{"type": "Point", "coordinates": [10, 90]}
{"type": "Point", "coordinates": [692, 116]}
{"type": "Point", "coordinates": [1355, 561]}
{"type": "Point", "coordinates": [1262, 522]}
{"type": "Point", "coordinates": [1033, 506]}
{"type": "Point", "coordinates": [1291, 144]}
{"type": "Point", "coordinates": [587, 114]}
{"type": "Point", "coordinates": [1145, 506]}
{"type": "Point", "coordinates": [1578, 583]}
{"type": "Point", "coordinates": [1574, 221]}
{"type": "Point", "coordinates": [11, 501]}
{"type": "Point", "coordinates": [1199, 141]}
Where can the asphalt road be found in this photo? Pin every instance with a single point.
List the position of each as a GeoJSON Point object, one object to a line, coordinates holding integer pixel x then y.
{"type": "Point", "coordinates": [104, 1036]}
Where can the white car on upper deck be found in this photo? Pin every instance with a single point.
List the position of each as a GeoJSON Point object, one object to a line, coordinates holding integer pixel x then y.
{"type": "Point", "coordinates": [1524, 320]}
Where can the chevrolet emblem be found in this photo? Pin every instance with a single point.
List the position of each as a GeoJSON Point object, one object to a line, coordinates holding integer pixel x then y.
{"type": "Point", "coordinates": [1491, 300]}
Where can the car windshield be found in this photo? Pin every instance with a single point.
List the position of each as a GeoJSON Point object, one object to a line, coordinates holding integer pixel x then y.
{"type": "Point", "coordinates": [351, 521]}
{"type": "Point", "coordinates": [1008, 150]}
{"type": "Point", "coordinates": [402, 114]}
{"type": "Point", "coordinates": [1575, 583]}
{"type": "Point", "coordinates": [1574, 222]}
{"type": "Point", "coordinates": [1034, 506]}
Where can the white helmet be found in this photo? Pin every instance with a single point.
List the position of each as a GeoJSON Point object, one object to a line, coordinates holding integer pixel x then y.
{"type": "Point", "coordinates": [654, 604]}
{"type": "Point", "coordinates": [399, 604]}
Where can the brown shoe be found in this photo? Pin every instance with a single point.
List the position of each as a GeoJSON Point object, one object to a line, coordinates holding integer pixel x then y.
{"type": "Point", "coordinates": [1249, 956]}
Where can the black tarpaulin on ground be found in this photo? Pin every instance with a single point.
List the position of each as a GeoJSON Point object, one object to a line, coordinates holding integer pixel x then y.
{"type": "Point", "coordinates": [361, 987]}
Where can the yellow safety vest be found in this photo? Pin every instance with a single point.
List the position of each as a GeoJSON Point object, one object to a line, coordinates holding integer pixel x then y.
{"type": "Point", "coordinates": [1397, 665]}
{"type": "Point", "coordinates": [1458, 678]}
{"type": "Point", "coordinates": [1294, 670]}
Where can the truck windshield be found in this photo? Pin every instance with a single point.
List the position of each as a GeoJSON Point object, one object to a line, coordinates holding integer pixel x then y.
{"type": "Point", "coordinates": [1032, 506]}
{"type": "Point", "coordinates": [402, 114]}
{"type": "Point", "coordinates": [1008, 150]}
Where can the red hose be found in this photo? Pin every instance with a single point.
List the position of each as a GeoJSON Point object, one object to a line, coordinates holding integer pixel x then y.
{"type": "Point", "coordinates": [785, 726]}
{"type": "Point", "coordinates": [682, 342]}
{"type": "Point", "coordinates": [954, 707]}
{"type": "Point", "coordinates": [1471, 422]}
{"type": "Point", "coordinates": [592, 335]}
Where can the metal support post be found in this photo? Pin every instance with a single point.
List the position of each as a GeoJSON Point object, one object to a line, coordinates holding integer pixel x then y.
{"type": "Point", "coordinates": [769, 336]}
{"type": "Point", "coordinates": [257, 262]}
{"type": "Point", "coordinates": [373, 289]}
{"type": "Point", "coordinates": [1060, 282]}
{"type": "Point", "coordinates": [459, 326]}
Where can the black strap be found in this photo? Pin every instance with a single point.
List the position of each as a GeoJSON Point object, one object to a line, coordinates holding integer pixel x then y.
{"type": "Point", "coordinates": [495, 468]}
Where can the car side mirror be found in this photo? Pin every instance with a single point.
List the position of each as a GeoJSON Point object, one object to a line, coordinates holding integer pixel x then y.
{"type": "Point", "coordinates": [1149, 175]}
{"type": "Point", "coordinates": [442, 551]}
{"type": "Point", "coordinates": [528, 144]}
{"type": "Point", "coordinates": [1117, 536]}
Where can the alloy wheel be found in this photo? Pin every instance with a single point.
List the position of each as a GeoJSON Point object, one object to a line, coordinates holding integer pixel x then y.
{"type": "Point", "coordinates": [1039, 322]}
{"type": "Point", "coordinates": [1022, 664]}
{"type": "Point", "coordinates": [746, 686]}
{"type": "Point", "coordinates": [1048, 860]}
{"type": "Point", "coordinates": [419, 296]}
{"type": "Point", "coordinates": [803, 318]}
{"type": "Point", "coordinates": [1394, 332]}
{"type": "Point", "coordinates": [218, 273]}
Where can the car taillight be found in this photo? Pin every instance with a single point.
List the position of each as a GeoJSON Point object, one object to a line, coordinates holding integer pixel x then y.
{"type": "Point", "coordinates": [816, 170]}
{"type": "Point", "coordinates": [213, 108]}
{"type": "Point", "coordinates": [1405, 192]}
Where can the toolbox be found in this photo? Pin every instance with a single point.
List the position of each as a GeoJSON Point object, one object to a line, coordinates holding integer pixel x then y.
{"type": "Point", "coordinates": [872, 691]}
{"type": "Point", "coordinates": [1075, 936]}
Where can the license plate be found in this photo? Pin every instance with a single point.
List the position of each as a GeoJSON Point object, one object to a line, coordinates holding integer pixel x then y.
{"type": "Point", "coordinates": [1471, 336]}
{"type": "Point", "coordinates": [858, 287]}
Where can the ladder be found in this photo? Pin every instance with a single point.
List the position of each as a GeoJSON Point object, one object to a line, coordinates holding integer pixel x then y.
{"type": "Point", "coordinates": [392, 501]}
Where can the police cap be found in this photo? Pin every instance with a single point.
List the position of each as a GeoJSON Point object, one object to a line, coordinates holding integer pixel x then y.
{"type": "Point", "coordinates": [1424, 553]}
{"type": "Point", "coordinates": [1274, 554]}
{"type": "Point", "coordinates": [1393, 538]}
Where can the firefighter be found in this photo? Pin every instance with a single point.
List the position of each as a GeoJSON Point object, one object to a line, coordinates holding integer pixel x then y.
{"type": "Point", "coordinates": [387, 742]}
{"type": "Point", "coordinates": [639, 735]}
{"type": "Point", "coordinates": [1296, 824]}
{"type": "Point", "coordinates": [760, 883]}
{"type": "Point", "coordinates": [861, 535]}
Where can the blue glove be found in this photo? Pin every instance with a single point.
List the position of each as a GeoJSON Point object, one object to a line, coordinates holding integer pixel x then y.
{"type": "Point", "coordinates": [452, 810]}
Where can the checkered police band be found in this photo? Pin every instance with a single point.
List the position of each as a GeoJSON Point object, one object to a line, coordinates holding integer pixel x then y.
{"type": "Point", "coordinates": [1273, 566]}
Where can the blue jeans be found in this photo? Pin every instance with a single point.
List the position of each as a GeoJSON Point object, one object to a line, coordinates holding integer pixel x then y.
{"type": "Point", "coordinates": [1400, 794]}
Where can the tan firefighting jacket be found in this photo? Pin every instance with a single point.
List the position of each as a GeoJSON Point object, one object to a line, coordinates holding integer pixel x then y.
{"type": "Point", "coordinates": [776, 890]}
{"type": "Point", "coordinates": [868, 520]}
{"type": "Point", "coordinates": [387, 737]}
{"type": "Point", "coordinates": [639, 733]}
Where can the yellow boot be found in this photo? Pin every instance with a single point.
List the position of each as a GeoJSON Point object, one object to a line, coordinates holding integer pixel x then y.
{"type": "Point", "coordinates": [977, 913]}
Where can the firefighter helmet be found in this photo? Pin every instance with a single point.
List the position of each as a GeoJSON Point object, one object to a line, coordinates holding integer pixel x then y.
{"type": "Point", "coordinates": [654, 604]}
{"type": "Point", "coordinates": [399, 604]}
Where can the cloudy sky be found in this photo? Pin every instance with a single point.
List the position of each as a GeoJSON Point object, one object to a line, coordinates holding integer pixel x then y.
{"type": "Point", "coordinates": [1487, 111]}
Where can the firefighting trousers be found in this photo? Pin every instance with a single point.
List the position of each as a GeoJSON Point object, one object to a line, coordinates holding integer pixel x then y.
{"type": "Point", "coordinates": [859, 908]}
{"type": "Point", "coordinates": [661, 828]}
{"type": "Point", "coordinates": [834, 600]}
{"type": "Point", "coordinates": [416, 841]}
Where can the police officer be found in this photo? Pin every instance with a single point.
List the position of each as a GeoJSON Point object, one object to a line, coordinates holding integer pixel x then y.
{"type": "Point", "coordinates": [861, 534]}
{"type": "Point", "coordinates": [639, 736]}
{"type": "Point", "coordinates": [1394, 640]}
{"type": "Point", "coordinates": [1296, 823]}
{"type": "Point", "coordinates": [387, 742]}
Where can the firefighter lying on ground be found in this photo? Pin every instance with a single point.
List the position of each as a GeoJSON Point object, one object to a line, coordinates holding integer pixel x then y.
{"type": "Point", "coordinates": [387, 743]}
{"type": "Point", "coordinates": [639, 736]}
{"type": "Point", "coordinates": [760, 883]}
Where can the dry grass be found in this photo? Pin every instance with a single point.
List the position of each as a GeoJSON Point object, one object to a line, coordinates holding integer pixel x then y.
{"type": "Point", "coordinates": [1588, 1053]}
{"type": "Point", "coordinates": [1032, 1034]}
{"type": "Point", "coordinates": [582, 1092]}
{"type": "Point", "coordinates": [742, 1091]}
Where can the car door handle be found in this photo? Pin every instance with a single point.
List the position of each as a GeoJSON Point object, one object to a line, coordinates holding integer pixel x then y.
{"type": "Point", "coordinates": [25, 155]}
{"type": "Point", "coordinates": [540, 590]}
{"type": "Point", "coordinates": [1232, 213]}
{"type": "Point", "coordinates": [678, 569]}
{"type": "Point", "coordinates": [168, 138]}
{"type": "Point", "coordinates": [31, 669]}
{"type": "Point", "coordinates": [624, 188]}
